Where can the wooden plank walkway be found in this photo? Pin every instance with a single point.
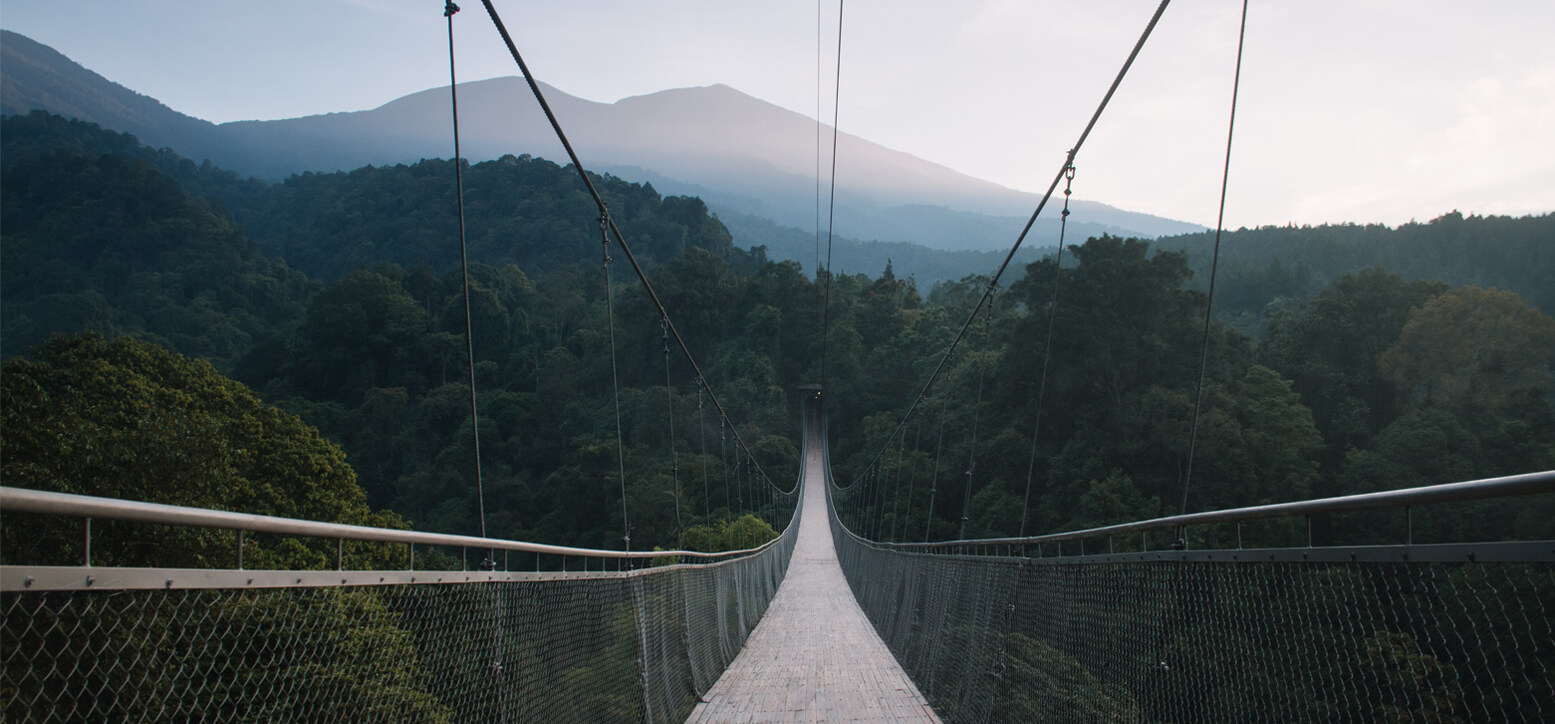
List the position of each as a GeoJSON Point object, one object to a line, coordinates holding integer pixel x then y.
{"type": "Point", "coordinates": [814, 657]}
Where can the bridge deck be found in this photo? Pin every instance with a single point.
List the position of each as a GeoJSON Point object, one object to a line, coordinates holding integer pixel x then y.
{"type": "Point", "coordinates": [814, 657]}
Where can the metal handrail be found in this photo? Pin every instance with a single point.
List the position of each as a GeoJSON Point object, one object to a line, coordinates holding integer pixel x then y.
{"type": "Point", "coordinates": [23, 500]}
{"type": "Point", "coordinates": [1511, 485]}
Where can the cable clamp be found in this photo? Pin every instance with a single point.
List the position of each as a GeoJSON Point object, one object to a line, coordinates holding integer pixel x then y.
{"type": "Point", "coordinates": [449, 9]}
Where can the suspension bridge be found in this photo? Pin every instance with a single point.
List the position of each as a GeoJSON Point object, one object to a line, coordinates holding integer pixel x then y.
{"type": "Point", "coordinates": [831, 621]}
{"type": "Point", "coordinates": [818, 625]}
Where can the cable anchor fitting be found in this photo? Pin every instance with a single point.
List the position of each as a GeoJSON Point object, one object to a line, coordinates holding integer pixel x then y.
{"type": "Point", "coordinates": [604, 233]}
{"type": "Point", "coordinates": [1068, 183]}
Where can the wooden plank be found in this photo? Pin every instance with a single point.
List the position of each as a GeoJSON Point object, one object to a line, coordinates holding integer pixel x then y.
{"type": "Point", "coordinates": [814, 657]}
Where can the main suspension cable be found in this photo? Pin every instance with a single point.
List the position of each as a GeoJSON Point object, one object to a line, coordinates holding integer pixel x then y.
{"type": "Point", "coordinates": [1209, 303]}
{"type": "Point", "coordinates": [609, 220]}
{"type": "Point", "coordinates": [1069, 160]}
{"type": "Point", "coordinates": [449, 9]}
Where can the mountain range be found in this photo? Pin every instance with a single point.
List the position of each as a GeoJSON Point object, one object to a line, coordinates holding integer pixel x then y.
{"type": "Point", "coordinates": [751, 161]}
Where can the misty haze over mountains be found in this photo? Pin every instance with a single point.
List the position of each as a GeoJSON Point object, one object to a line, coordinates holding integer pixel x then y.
{"type": "Point", "coordinates": [751, 161]}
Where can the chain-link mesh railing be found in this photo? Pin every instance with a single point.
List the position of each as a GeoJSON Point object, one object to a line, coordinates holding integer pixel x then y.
{"type": "Point", "coordinates": [1175, 636]}
{"type": "Point", "coordinates": [638, 646]}
{"type": "Point", "coordinates": [418, 643]}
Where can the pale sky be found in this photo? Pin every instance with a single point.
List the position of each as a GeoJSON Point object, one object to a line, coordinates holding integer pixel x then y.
{"type": "Point", "coordinates": [1351, 110]}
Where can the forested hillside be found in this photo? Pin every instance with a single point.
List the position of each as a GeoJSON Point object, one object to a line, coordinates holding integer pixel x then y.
{"type": "Point", "coordinates": [1275, 263]}
{"type": "Point", "coordinates": [1374, 383]}
{"type": "Point", "coordinates": [99, 234]}
{"type": "Point", "coordinates": [111, 244]}
{"type": "Point", "coordinates": [1365, 365]}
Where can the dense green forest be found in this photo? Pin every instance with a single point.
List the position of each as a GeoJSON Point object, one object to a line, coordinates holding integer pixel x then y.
{"type": "Point", "coordinates": [1288, 262]}
{"type": "Point", "coordinates": [1343, 359]}
{"type": "Point", "coordinates": [1374, 383]}
{"type": "Point", "coordinates": [101, 234]}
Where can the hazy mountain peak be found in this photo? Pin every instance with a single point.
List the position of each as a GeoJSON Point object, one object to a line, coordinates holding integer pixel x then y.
{"type": "Point", "coordinates": [39, 77]}
{"type": "Point", "coordinates": [743, 155]}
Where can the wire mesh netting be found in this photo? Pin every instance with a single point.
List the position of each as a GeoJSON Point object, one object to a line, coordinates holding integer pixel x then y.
{"type": "Point", "coordinates": [636, 647]}
{"type": "Point", "coordinates": [1011, 639]}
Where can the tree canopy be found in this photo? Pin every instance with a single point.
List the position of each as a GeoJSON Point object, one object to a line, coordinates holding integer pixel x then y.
{"type": "Point", "coordinates": [1334, 375]}
{"type": "Point", "coordinates": [128, 419]}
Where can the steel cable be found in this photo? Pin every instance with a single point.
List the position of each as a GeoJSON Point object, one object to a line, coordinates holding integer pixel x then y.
{"type": "Point", "coordinates": [615, 379]}
{"type": "Point", "coordinates": [609, 220]}
{"type": "Point", "coordinates": [1209, 303]}
{"type": "Point", "coordinates": [831, 213]}
{"type": "Point", "coordinates": [449, 9]}
{"type": "Point", "coordinates": [1069, 161]}
{"type": "Point", "coordinates": [1047, 346]}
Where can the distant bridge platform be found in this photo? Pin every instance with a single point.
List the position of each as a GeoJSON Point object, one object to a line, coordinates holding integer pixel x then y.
{"type": "Point", "coordinates": [814, 657]}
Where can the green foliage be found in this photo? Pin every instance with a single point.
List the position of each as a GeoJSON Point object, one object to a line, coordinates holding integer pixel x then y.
{"type": "Point", "coordinates": [103, 234]}
{"type": "Point", "coordinates": [128, 419]}
{"type": "Point", "coordinates": [744, 532]}
{"type": "Point", "coordinates": [517, 208]}
{"type": "Point", "coordinates": [921, 264]}
{"type": "Point", "coordinates": [1111, 499]}
{"type": "Point", "coordinates": [1278, 438]}
{"type": "Point", "coordinates": [1290, 262]}
{"type": "Point", "coordinates": [1374, 383]}
{"type": "Point", "coordinates": [605, 690]}
{"type": "Point", "coordinates": [109, 244]}
{"type": "Point", "coordinates": [1340, 362]}
{"type": "Point", "coordinates": [1039, 680]}
{"type": "Point", "coordinates": [1473, 348]}
{"type": "Point", "coordinates": [1360, 380]}
{"type": "Point", "coordinates": [263, 655]}
{"type": "Point", "coordinates": [1417, 686]}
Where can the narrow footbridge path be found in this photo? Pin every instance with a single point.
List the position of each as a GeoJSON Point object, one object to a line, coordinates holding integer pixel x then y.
{"type": "Point", "coordinates": [814, 657]}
